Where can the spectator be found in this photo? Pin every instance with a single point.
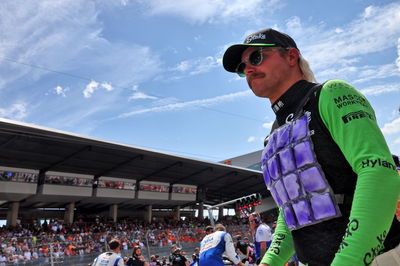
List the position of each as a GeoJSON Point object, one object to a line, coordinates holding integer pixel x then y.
{"type": "Point", "coordinates": [196, 255]}
{"type": "Point", "coordinates": [137, 258]}
{"type": "Point", "coordinates": [178, 259]}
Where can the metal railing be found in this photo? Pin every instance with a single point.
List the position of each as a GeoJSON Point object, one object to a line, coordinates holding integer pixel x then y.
{"type": "Point", "coordinates": [83, 248]}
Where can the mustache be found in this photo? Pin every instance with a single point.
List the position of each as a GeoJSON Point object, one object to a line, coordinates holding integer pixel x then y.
{"type": "Point", "coordinates": [254, 75]}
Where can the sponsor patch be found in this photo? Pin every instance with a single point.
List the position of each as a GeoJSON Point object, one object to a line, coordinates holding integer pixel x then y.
{"type": "Point", "coordinates": [377, 162]}
{"type": "Point", "coordinates": [351, 227]}
{"type": "Point", "coordinates": [356, 115]}
{"type": "Point", "coordinates": [350, 99]}
{"type": "Point", "coordinates": [375, 251]}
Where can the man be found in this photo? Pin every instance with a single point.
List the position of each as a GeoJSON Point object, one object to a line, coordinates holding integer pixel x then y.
{"type": "Point", "coordinates": [137, 258]}
{"type": "Point", "coordinates": [209, 230]}
{"type": "Point", "coordinates": [242, 248]}
{"type": "Point", "coordinates": [326, 163]}
{"type": "Point", "coordinates": [178, 259]}
{"type": "Point", "coordinates": [214, 245]}
{"type": "Point", "coordinates": [112, 257]}
{"type": "Point", "coordinates": [262, 235]}
{"type": "Point", "coordinates": [196, 256]}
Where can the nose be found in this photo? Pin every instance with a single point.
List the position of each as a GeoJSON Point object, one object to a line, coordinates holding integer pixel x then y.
{"type": "Point", "coordinates": [249, 69]}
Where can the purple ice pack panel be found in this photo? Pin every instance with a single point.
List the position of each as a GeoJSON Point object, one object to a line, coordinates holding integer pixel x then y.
{"type": "Point", "coordinates": [287, 161]}
{"type": "Point", "coordinates": [289, 217]}
{"type": "Point", "coordinates": [263, 157]}
{"type": "Point", "coordinates": [282, 137]}
{"type": "Point", "coordinates": [281, 191]}
{"type": "Point", "coordinates": [292, 185]}
{"type": "Point", "coordinates": [273, 167]}
{"type": "Point", "coordinates": [323, 206]}
{"type": "Point", "coordinates": [312, 179]}
{"type": "Point", "coordinates": [303, 153]}
{"type": "Point", "coordinates": [300, 128]}
{"type": "Point", "coordinates": [303, 212]}
{"type": "Point", "coordinates": [267, 178]}
{"type": "Point", "coordinates": [270, 147]}
{"type": "Point", "coordinates": [275, 196]}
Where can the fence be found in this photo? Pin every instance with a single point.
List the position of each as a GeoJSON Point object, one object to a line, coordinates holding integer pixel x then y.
{"type": "Point", "coordinates": [83, 248]}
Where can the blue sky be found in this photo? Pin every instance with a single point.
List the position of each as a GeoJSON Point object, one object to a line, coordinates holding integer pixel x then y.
{"type": "Point", "coordinates": [148, 72]}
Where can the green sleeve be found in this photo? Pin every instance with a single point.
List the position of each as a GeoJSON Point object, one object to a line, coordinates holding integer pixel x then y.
{"type": "Point", "coordinates": [351, 121]}
{"type": "Point", "coordinates": [281, 248]}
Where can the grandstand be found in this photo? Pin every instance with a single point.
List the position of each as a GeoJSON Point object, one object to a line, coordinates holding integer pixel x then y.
{"type": "Point", "coordinates": [48, 173]}
{"type": "Point", "coordinates": [62, 195]}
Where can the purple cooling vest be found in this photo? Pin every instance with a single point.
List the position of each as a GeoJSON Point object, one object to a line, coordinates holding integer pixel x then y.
{"type": "Point", "coordinates": [295, 178]}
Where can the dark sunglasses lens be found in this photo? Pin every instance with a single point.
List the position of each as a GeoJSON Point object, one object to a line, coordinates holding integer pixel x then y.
{"type": "Point", "coordinates": [255, 58]}
{"type": "Point", "coordinates": [240, 68]}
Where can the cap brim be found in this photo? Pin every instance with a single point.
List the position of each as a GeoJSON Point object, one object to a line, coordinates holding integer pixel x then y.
{"type": "Point", "coordinates": [233, 55]}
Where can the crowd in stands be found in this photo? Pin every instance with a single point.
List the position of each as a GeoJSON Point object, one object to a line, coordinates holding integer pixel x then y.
{"type": "Point", "coordinates": [33, 241]}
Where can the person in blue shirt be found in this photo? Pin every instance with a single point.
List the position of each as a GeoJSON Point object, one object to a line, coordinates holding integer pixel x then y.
{"type": "Point", "coordinates": [214, 245]}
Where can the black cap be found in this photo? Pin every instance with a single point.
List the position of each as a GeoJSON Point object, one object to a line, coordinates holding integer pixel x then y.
{"type": "Point", "coordinates": [264, 38]}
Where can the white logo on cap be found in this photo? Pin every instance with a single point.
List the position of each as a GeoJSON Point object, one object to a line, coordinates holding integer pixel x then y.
{"type": "Point", "coordinates": [255, 36]}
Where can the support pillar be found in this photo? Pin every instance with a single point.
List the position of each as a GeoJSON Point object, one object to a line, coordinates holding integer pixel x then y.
{"type": "Point", "coordinates": [12, 213]}
{"type": "Point", "coordinates": [201, 211]}
{"type": "Point", "coordinates": [69, 213]}
{"type": "Point", "coordinates": [178, 212]}
{"type": "Point", "coordinates": [148, 214]}
{"type": "Point", "coordinates": [237, 213]}
{"type": "Point", "coordinates": [113, 214]}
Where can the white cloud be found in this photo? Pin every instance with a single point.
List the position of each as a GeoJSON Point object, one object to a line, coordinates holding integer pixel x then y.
{"type": "Point", "coordinates": [374, 31]}
{"type": "Point", "coordinates": [251, 139]}
{"type": "Point", "coordinates": [198, 66]}
{"type": "Point", "coordinates": [368, 73]}
{"type": "Point", "coordinates": [268, 125]}
{"type": "Point", "coordinates": [211, 11]}
{"type": "Point", "coordinates": [398, 55]}
{"type": "Point", "coordinates": [368, 11]}
{"type": "Point", "coordinates": [39, 32]}
{"type": "Point", "coordinates": [140, 95]}
{"type": "Point", "coordinates": [17, 111]}
{"type": "Point", "coordinates": [189, 104]}
{"type": "Point", "coordinates": [90, 88]}
{"type": "Point", "coordinates": [381, 89]}
{"type": "Point", "coordinates": [61, 91]}
{"type": "Point", "coordinates": [392, 127]}
{"type": "Point", "coordinates": [107, 86]}
{"type": "Point", "coordinates": [397, 141]}
{"type": "Point", "coordinates": [93, 86]}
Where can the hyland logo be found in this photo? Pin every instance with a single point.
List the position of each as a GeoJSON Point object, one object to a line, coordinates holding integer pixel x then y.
{"type": "Point", "coordinates": [254, 37]}
{"type": "Point", "coordinates": [356, 115]}
{"type": "Point", "coordinates": [377, 162]}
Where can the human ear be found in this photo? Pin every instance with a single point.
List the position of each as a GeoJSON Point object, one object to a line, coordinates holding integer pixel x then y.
{"type": "Point", "coordinates": [293, 56]}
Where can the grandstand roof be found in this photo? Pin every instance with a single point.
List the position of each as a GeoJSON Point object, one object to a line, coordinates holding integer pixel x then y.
{"type": "Point", "coordinates": [29, 146]}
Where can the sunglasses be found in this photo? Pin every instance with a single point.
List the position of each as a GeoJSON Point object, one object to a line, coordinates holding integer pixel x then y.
{"type": "Point", "coordinates": [254, 59]}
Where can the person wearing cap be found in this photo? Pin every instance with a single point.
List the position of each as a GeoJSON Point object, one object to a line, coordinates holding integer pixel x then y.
{"type": "Point", "coordinates": [325, 161]}
{"type": "Point", "coordinates": [214, 245]}
{"type": "Point", "coordinates": [262, 235]}
{"type": "Point", "coordinates": [178, 259]}
{"type": "Point", "coordinates": [112, 257]}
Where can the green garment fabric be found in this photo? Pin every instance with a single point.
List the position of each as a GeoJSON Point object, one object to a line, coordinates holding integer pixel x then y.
{"type": "Point", "coordinates": [281, 248]}
{"type": "Point", "coordinates": [351, 122]}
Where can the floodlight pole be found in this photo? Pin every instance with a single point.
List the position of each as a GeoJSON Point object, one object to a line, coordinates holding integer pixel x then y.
{"type": "Point", "coordinates": [210, 208]}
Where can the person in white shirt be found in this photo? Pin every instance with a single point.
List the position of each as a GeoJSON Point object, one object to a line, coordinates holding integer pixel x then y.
{"type": "Point", "coordinates": [112, 257]}
{"type": "Point", "coordinates": [262, 235]}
